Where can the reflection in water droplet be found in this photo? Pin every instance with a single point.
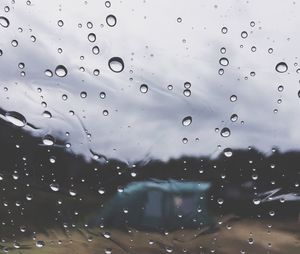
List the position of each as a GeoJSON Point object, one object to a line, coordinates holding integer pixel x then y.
{"type": "Point", "coordinates": [187, 121]}
{"type": "Point", "coordinates": [144, 88]}
{"type": "Point", "coordinates": [116, 64]}
{"type": "Point", "coordinates": [4, 22]}
{"type": "Point", "coordinates": [111, 20]}
{"type": "Point", "coordinates": [16, 118]}
{"type": "Point", "coordinates": [281, 67]}
{"type": "Point", "coordinates": [61, 71]}
{"type": "Point", "coordinates": [225, 132]}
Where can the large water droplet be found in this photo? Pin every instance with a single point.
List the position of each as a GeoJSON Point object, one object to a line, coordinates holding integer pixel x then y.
{"type": "Point", "coordinates": [4, 22]}
{"type": "Point", "coordinates": [224, 61]}
{"type": "Point", "coordinates": [61, 71]}
{"type": "Point", "coordinates": [281, 67]}
{"type": "Point", "coordinates": [16, 118]}
{"type": "Point", "coordinates": [116, 64]}
{"type": "Point", "coordinates": [144, 88]}
{"type": "Point", "coordinates": [187, 121]}
{"type": "Point", "coordinates": [48, 140]}
{"type": "Point", "coordinates": [92, 37]}
{"type": "Point", "coordinates": [111, 20]}
{"type": "Point", "coordinates": [225, 132]}
{"type": "Point", "coordinates": [54, 186]}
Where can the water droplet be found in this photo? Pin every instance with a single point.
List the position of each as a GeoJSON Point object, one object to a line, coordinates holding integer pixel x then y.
{"type": "Point", "coordinates": [40, 244]}
{"type": "Point", "coordinates": [187, 92]}
{"type": "Point", "coordinates": [73, 193]}
{"type": "Point", "coordinates": [111, 20]}
{"type": "Point", "coordinates": [179, 20]}
{"type": "Point", "coordinates": [60, 23]}
{"type": "Point", "coordinates": [234, 117]}
{"type": "Point", "coordinates": [48, 73]}
{"type": "Point", "coordinates": [224, 30]}
{"type": "Point", "coordinates": [116, 64]}
{"type": "Point", "coordinates": [4, 22]}
{"type": "Point", "coordinates": [220, 201]}
{"type": "Point", "coordinates": [187, 85]}
{"type": "Point", "coordinates": [16, 118]}
{"type": "Point", "coordinates": [250, 241]}
{"type": "Point", "coordinates": [281, 67]}
{"type": "Point", "coordinates": [185, 140]}
{"type": "Point", "coordinates": [54, 186]}
{"type": "Point", "coordinates": [224, 61]}
{"type": "Point", "coordinates": [225, 132]}
{"type": "Point", "coordinates": [244, 34]}
{"type": "Point", "coordinates": [233, 98]}
{"type": "Point", "coordinates": [14, 43]}
{"type": "Point", "coordinates": [107, 4]}
{"type": "Point", "coordinates": [144, 88]}
{"type": "Point", "coordinates": [105, 112]}
{"type": "Point", "coordinates": [48, 140]}
{"type": "Point", "coordinates": [96, 72]}
{"type": "Point", "coordinates": [223, 50]}
{"type": "Point", "coordinates": [227, 152]}
{"type": "Point", "coordinates": [187, 121]}
{"type": "Point", "coordinates": [102, 95]}
{"type": "Point", "coordinates": [95, 50]}
{"type": "Point", "coordinates": [270, 50]}
{"type": "Point", "coordinates": [252, 23]}
{"type": "Point", "coordinates": [61, 71]}
{"type": "Point", "coordinates": [47, 114]}
{"type": "Point", "coordinates": [92, 37]}
{"type": "Point", "coordinates": [83, 94]}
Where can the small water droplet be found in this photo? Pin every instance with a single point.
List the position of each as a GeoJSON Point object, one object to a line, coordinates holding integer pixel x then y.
{"type": "Point", "coordinates": [48, 73]}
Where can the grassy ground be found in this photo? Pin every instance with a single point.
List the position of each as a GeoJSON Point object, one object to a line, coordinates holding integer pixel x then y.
{"type": "Point", "coordinates": [280, 238]}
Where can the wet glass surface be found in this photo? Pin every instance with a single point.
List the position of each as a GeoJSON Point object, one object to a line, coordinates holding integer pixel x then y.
{"type": "Point", "coordinates": [149, 126]}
